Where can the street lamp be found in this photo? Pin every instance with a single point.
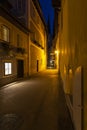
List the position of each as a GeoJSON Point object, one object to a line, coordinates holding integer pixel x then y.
{"type": "Point", "coordinates": [57, 52]}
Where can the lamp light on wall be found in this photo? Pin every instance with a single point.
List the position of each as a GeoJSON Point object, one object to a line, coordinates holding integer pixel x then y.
{"type": "Point", "coordinates": [57, 52]}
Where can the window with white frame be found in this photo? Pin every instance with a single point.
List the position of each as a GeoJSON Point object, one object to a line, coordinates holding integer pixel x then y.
{"type": "Point", "coordinates": [8, 68]}
{"type": "Point", "coordinates": [5, 33]}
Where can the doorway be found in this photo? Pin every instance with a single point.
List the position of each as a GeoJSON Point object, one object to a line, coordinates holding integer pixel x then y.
{"type": "Point", "coordinates": [77, 99]}
{"type": "Point", "coordinates": [37, 65]}
{"type": "Point", "coordinates": [20, 68]}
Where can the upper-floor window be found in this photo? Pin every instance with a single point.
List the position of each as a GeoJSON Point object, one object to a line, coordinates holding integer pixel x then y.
{"type": "Point", "coordinates": [32, 11]}
{"type": "Point", "coordinates": [19, 4]}
{"type": "Point", "coordinates": [61, 19]}
{"type": "Point", "coordinates": [38, 20]}
{"type": "Point", "coordinates": [18, 40]}
{"type": "Point", "coordinates": [5, 33]}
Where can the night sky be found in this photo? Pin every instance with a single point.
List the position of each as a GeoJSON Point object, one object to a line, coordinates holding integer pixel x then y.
{"type": "Point", "coordinates": [48, 11]}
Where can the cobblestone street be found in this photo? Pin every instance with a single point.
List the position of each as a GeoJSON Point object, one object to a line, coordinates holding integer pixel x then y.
{"type": "Point", "coordinates": [37, 103]}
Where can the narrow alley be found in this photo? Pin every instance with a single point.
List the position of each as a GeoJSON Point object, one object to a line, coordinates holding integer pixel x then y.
{"type": "Point", "coordinates": [37, 103]}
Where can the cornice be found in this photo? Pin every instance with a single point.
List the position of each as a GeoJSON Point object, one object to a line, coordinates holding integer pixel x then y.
{"type": "Point", "coordinates": [8, 16]}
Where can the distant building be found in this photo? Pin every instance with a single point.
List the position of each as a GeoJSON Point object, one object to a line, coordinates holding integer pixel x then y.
{"type": "Point", "coordinates": [72, 45]}
{"type": "Point", "coordinates": [55, 41]}
{"type": "Point", "coordinates": [49, 43]}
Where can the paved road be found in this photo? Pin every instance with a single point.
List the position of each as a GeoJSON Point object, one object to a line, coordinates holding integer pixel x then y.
{"type": "Point", "coordinates": [37, 103]}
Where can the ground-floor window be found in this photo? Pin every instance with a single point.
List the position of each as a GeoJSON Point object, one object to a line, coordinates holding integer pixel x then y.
{"type": "Point", "coordinates": [8, 68]}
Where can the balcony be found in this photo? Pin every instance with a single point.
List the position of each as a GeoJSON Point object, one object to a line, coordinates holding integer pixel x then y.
{"type": "Point", "coordinates": [20, 50]}
{"type": "Point", "coordinates": [6, 47]}
{"type": "Point", "coordinates": [37, 43]}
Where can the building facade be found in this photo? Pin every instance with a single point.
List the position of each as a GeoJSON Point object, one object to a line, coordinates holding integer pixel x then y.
{"type": "Point", "coordinates": [22, 40]}
{"type": "Point", "coordinates": [73, 57]}
{"type": "Point", "coordinates": [37, 38]}
{"type": "Point", "coordinates": [13, 48]}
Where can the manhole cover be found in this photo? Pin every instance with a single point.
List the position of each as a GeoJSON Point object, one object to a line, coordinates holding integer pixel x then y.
{"type": "Point", "coordinates": [10, 122]}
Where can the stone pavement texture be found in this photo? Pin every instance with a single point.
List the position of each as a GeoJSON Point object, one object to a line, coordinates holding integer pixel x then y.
{"type": "Point", "coordinates": [10, 122]}
{"type": "Point", "coordinates": [37, 103]}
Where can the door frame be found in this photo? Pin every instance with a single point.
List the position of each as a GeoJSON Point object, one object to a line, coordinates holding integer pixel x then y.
{"type": "Point", "coordinates": [20, 68]}
{"type": "Point", "coordinates": [78, 99]}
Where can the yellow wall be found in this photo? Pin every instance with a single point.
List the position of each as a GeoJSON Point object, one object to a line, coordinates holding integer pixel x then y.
{"type": "Point", "coordinates": [38, 34]}
{"type": "Point", "coordinates": [13, 41]}
{"type": "Point", "coordinates": [64, 45]}
{"type": "Point", "coordinates": [37, 54]}
{"type": "Point", "coordinates": [73, 43]}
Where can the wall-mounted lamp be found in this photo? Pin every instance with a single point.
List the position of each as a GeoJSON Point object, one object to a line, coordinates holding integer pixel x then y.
{"type": "Point", "coordinates": [57, 52]}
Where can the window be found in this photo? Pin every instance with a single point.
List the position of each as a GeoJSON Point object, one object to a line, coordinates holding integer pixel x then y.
{"type": "Point", "coordinates": [5, 33]}
{"type": "Point", "coordinates": [33, 13]}
{"type": "Point", "coordinates": [20, 4]}
{"type": "Point", "coordinates": [18, 40]}
{"type": "Point", "coordinates": [38, 20]}
{"type": "Point", "coordinates": [8, 68]}
{"type": "Point", "coordinates": [61, 19]}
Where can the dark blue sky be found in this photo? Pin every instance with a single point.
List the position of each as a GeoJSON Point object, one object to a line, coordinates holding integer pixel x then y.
{"type": "Point", "coordinates": [48, 11]}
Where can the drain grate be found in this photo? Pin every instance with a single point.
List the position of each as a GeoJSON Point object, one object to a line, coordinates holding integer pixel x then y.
{"type": "Point", "coordinates": [10, 122]}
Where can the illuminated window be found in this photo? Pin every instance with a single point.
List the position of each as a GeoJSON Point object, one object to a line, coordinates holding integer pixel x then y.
{"type": "Point", "coordinates": [5, 33]}
{"type": "Point", "coordinates": [8, 68]}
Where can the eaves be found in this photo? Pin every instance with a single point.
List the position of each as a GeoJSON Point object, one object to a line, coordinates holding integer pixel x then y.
{"type": "Point", "coordinates": [12, 19]}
